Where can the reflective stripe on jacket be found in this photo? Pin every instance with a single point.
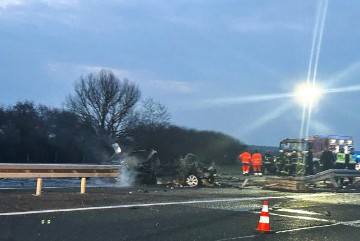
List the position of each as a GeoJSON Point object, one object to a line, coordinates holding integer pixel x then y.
{"type": "Point", "coordinates": [352, 160]}
{"type": "Point", "coordinates": [245, 157]}
{"type": "Point", "coordinates": [256, 159]}
{"type": "Point", "coordinates": [340, 157]}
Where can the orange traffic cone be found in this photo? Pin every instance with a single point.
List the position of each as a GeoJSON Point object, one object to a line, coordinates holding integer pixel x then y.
{"type": "Point", "coordinates": [264, 223]}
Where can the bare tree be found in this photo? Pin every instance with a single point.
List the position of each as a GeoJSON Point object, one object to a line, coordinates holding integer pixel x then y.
{"type": "Point", "coordinates": [105, 102]}
{"type": "Point", "coordinates": [153, 114]}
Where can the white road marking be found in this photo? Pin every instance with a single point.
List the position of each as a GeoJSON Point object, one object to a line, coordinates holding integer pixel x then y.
{"type": "Point", "coordinates": [355, 223]}
{"type": "Point", "coordinates": [306, 228]}
{"type": "Point", "coordinates": [242, 237]}
{"type": "Point", "coordinates": [287, 210]}
{"type": "Point", "coordinates": [162, 204]}
{"type": "Point", "coordinates": [301, 217]}
{"type": "Point", "coordinates": [350, 223]}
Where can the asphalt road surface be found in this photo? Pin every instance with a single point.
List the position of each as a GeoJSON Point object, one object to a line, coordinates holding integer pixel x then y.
{"type": "Point", "coordinates": [164, 213]}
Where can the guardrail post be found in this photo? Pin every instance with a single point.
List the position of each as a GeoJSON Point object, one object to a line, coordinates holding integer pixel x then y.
{"type": "Point", "coordinates": [38, 186]}
{"type": "Point", "coordinates": [83, 185]}
{"type": "Point", "coordinates": [334, 182]}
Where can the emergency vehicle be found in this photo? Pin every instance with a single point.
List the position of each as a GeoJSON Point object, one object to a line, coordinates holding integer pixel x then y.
{"type": "Point", "coordinates": [357, 159]}
{"type": "Point", "coordinates": [294, 152]}
{"type": "Point", "coordinates": [333, 142]}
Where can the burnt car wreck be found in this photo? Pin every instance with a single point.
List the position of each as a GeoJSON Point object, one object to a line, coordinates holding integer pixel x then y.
{"type": "Point", "coordinates": [141, 166]}
{"type": "Point", "coordinates": [147, 168]}
{"type": "Point", "coordinates": [188, 171]}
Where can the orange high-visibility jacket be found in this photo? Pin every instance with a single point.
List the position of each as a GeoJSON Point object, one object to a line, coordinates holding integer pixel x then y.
{"type": "Point", "coordinates": [245, 157]}
{"type": "Point", "coordinates": [256, 159]}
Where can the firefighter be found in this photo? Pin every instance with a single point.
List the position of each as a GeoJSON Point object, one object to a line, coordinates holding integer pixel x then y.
{"type": "Point", "coordinates": [350, 164]}
{"type": "Point", "coordinates": [300, 165]}
{"type": "Point", "coordinates": [256, 161]}
{"type": "Point", "coordinates": [287, 164]}
{"type": "Point", "coordinates": [340, 159]}
{"type": "Point", "coordinates": [340, 163]}
{"type": "Point", "coordinates": [309, 164]}
{"type": "Point", "coordinates": [245, 158]}
{"type": "Point", "coordinates": [293, 163]}
{"type": "Point", "coordinates": [327, 159]}
{"type": "Point", "coordinates": [283, 164]}
{"type": "Point", "coordinates": [279, 164]}
{"type": "Point", "coordinates": [350, 161]}
{"type": "Point", "coordinates": [269, 163]}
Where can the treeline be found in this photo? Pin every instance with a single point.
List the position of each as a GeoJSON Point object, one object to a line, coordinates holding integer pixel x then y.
{"type": "Point", "coordinates": [101, 111]}
{"type": "Point", "coordinates": [263, 149]}
{"type": "Point", "coordinates": [174, 142]}
{"type": "Point", "coordinates": [39, 134]}
{"type": "Point", "coordinates": [32, 133]}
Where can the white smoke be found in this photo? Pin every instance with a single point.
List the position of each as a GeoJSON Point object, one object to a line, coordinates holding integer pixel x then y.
{"type": "Point", "coordinates": [126, 178]}
{"type": "Point", "coordinates": [128, 164]}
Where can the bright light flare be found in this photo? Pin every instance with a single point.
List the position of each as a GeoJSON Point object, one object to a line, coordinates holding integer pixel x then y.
{"type": "Point", "coordinates": [308, 94]}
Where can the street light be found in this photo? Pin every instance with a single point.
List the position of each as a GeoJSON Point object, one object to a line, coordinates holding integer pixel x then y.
{"type": "Point", "coordinates": [308, 94]}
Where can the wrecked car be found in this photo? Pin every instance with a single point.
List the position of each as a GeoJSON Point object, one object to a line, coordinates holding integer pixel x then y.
{"type": "Point", "coordinates": [141, 165]}
{"type": "Point", "coordinates": [187, 171]}
{"type": "Point", "coordinates": [146, 168]}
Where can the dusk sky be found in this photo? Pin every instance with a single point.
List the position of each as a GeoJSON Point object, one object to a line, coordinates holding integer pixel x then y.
{"type": "Point", "coordinates": [229, 66]}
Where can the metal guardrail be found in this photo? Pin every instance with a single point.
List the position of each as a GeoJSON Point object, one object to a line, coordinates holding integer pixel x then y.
{"type": "Point", "coordinates": [39, 171]}
{"type": "Point", "coordinates": [330, 174]}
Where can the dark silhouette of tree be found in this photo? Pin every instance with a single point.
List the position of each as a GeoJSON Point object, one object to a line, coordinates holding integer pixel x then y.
{"type": "Point", "coordinates": [105, 103]}
{"type": "Point", "coordinates": [173, 142]}
{"type": "Point", "coordinates": [3, 142]}
{"type": "Point", "coordinates": [71, 140]}
{"type": "Point", "coordinates": [153, 114]}
{"type": "Point", "coordinates": [40, 134]}
{"type": "Point", "coordinates": [23, 137]}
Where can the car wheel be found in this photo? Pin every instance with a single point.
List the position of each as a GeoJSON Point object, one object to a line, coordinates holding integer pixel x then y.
{"type": "Point", "coordinates": [192, 181]}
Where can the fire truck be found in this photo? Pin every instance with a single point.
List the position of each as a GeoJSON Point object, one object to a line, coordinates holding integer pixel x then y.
{"type": "Point", "coordinates": [295, 153]}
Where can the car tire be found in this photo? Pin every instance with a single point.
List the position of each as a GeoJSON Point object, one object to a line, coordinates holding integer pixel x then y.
{"type": "Point", "coordinates": [192, 181]}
